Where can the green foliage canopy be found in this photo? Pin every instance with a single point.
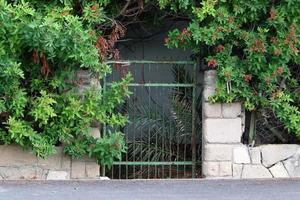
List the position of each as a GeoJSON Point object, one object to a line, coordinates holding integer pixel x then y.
{"type": "Point", "coordinates": [42, 46]}
{"type": "Point", "coordinates": [253, 45]}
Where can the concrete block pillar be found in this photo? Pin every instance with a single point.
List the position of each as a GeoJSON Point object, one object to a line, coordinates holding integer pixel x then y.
{"type": "Point", "coordinates": [222, 132]}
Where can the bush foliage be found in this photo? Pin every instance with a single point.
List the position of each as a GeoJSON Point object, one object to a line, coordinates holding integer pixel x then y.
{"type": "Point", "coordinates": [42, 46]}
{"type": "Point", "coordinates": [253, 45]}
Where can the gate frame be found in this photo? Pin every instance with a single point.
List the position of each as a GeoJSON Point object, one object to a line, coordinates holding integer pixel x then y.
{"type": "Point", "coordinates": [192, 85]}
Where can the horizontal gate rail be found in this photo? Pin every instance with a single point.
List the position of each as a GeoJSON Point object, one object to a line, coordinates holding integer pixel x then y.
{"type": "Point", "coordinates": [154, 163]}
{"type": "Point", "coordinates": [156, 85]}
{"type": "Point", "coordinates": [128, 62]}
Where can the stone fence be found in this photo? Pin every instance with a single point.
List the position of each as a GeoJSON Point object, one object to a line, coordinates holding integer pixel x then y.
{"type": "Point", "coordinates": [15, 164]}
{"type": "Point", "coordinates": [224, 156]}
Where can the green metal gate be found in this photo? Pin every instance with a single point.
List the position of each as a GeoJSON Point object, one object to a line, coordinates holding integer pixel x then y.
{"type": "Point", "coordinates": [161, 136]}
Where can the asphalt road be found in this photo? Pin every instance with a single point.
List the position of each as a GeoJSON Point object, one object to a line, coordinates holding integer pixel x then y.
{"type": "Point", "coordinates": [153, 189]}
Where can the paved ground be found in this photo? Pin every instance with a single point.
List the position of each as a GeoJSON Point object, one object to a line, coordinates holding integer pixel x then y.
{"type": "Point", "coordinates": [144, 190]}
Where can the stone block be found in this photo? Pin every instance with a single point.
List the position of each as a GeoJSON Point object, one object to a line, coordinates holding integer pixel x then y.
{"type": "Point", "coordinates": [222, 130]}
{"type": "Point", "coordinates": [210, 77]}
{"type": "Point", "coordinates": [255, 171]}
{"type": "Point", "coordinates": [17, 173]}
{"type": "Point", "coordinates": [208, 91]}
{"type": "Point", "coordinates": [272, 154]}
{"type": "Point", "coordinates": [241, 155]}
{"type": "Point", "coordinates": [231, 110]}
{"type": "Point", "coordinates": [13, 155]}
{"type": "Point", "coordinates": [42, 174]}
{"type": "Point", "coordinates": [58, 175]}
{"type": "Point", "coordinates": [211, 110]}
{"type": "Point", "coordinates": [255, 155]}
{"type": "Point", "coordinates": [292, 165]}
{"type": "Point", "coordinates": [65, 162]}
{"type": "Point", "coordinates": [104, 178]}
{"type": "Point", "coordinates": [78, 169]}
{"type": "Point", "coordinates": [225, 169]}
{"type": "Point", "coordinates": [210, 169]}
{"type": "Point", "coordinates": [52, 162]}
{"type": "Point", "coordinates": [237, 170]}
{"type": "Point", "coordinates": [92, 170]}
{"type": "Point", "coordinates": [218, 152]}
{"type": "Point", "coordinates": [95, 132]}
{"type": "Point", "coordinates": [279, 171]}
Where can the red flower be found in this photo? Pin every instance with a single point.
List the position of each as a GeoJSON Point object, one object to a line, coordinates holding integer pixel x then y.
{"type": "Point", "coordinates": [247, 78]}
{"type": "Point", "coordinates": [185, 32]}
{"type": "Point", "coordinates": [280, 70]}
{"type": "Point", "coordinates": [212, 63]}
{"type": "Point", "coordinates": [93, 7]}
{"type": "Point", "coordinates": [220, 48]}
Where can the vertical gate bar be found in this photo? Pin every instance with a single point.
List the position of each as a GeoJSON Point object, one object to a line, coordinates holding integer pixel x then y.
{"type": "Point", "coordinates": [103, 168]}
{"type": "Point", "coordinates": [193, 122]}
{"type": "Point", "coordinates": [176, 127]}
{"type": "Point", "coordinates": [120, 171]}
{"type": "Point", "coordinates": [127, 141]}
{"type": "Point", "coordinates": [134, 139]}
{"type": "Point", "coordinates": [185, 121]}
{"type": "Point", "coordinates": [149, 114]}
{"type": "Point", "coordinates": [156, 134]}
{"type": "Point", "coordinates": [163, 132]}
{"type": "Point", "coordinates": [170, 142]}
{"type": "Point", "coordinates": [143, 89]}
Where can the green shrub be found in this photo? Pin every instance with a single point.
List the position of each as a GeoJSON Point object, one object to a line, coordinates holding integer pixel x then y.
{"type": "Point", "coordinates": [254, 46]}
{"type": "Point", "coordinates": [42, 46]}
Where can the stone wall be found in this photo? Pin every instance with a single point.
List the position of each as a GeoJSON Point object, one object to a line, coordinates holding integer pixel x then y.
{"type": "Point", "coordinates": [18, 164]}
{"type": "Point", "coordinates": [224, 156]}
{"type": "Point", "coordinates": [266, 161]}
{"type": "Point", "coordinates": [15, 164]}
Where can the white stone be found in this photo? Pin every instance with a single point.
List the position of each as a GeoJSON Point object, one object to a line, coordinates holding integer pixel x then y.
{"type": "Point", "coordinates": [208, 91]}
{"type": "Point", "coordinates": [95, 132]}
{"type": "Point", "coordinates": [92, 170]}
{"type": "Point", "coordinates": [78, 169]}
{"type": "Point", "coordinates": [53, 162]}
{"type": "Point", "coordinates": [218, 152]}
{"type": "Point", "coordinates": [255, 171]}
{"type": "Point", "coordinates": [231, 110]}
{"type": "Point", "coordinates": [13, 155]}
{"type": "Point", "coordinates": [210, 169]}
{"type": "Point", "coordinates": [58, 175]}
{"type": "Point", "coordinates": [17, 173]}
{"type": "Point", "coordinates": [210, 78]}
{"type": "Point", "coordinates": [255, 155]}
{"type": "Point", "coordinates": [104, 178]}
{"type": "Point", "coordinates": [211, 110]}
{"type": "Point", "coordinates": [272, 154]}
{"type": "Point", "coordinates": [241, 155]}
{"type": "Point", "coordinates": [222, 130]}
{"type": "Point", "coordinates": [225, 169]}
{"type": "Point", "coordinates": [292, 165]}
{"type": "Point", "coordinates": [237, 171]}
{"type": "Point", "coordinates": [279, 171]}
